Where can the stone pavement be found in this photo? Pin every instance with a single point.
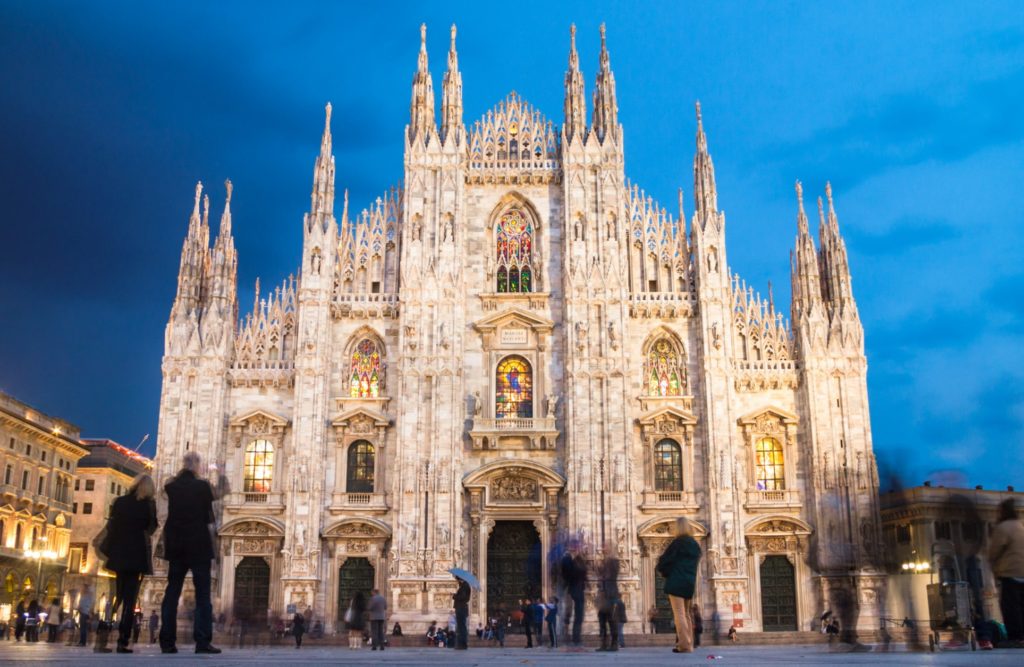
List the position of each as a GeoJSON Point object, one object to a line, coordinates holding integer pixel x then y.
{"type": "Point", "coordinates": [762, 656]}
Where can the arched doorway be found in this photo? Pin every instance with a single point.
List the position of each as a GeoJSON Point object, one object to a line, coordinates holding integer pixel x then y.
{"type": "Point", "coordinates": [513, 565]}
{"type": "Point", "coordinates": [252, 589]}
{"type": "Point", "coordinates": [664, 622]}
{"type": "Point", "coordinates": [354, 576]}
{"type": "Point", "coordinates": [778, 594]}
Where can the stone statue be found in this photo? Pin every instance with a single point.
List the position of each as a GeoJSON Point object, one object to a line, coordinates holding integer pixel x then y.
{"type": "Point", "coordinates": [581, 335]}
{"type": "Point", "coordinates": [446, 231]}
{"type": "Point", "coordinates": [478, 403]}
{"type": "Point", "coordinates": [552, 404]}
{"type": "Point", "coordinates": [300, 535]}
{"type": "Point", "coordinates": [613, 338]}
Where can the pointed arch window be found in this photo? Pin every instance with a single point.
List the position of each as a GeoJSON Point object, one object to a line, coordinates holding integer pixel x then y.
{"type": "Point", "coordinates": [514, 389]}
{"type": "Point", "coordinates": [668, 466]}
{"type": "Point", "coordinates": [366, 370]}
{"type": "Point", "coordinates": [514, 252]}
{"type": "Point", "coordinates": [770, 467]}
{"type": "Point", "coordinates": [361, 455]}
{"type": "Point", "coordinates": [258, 468]}
{"type": "Point", "coordinates": [663, 374]}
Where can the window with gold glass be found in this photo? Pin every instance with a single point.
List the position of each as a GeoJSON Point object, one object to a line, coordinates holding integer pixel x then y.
{"type": "Point", "coordinates": [668, 466]}
{"type": "Point", "coordinates": [514, 388]}
{"type": "Point", "coordinates": [514, 250]}
{"type": "Point", "coordinates": [258, 469]}
{"type": "Point", "coordinates": [360, 467]}
{"type": "Point", "coordinates": [366, 371]}
{"type": "Point", "coordinates": [771, 470]}
{"type": "Point", "coordinates": [663, 373]}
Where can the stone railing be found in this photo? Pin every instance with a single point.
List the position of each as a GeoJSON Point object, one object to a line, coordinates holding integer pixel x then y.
{"type": "Point", "coordinates": [341, 502]}
{"type": "Point", "coordinates": [773, 499]}
{"type": "Point", "coordinates": [251, 501]}
{"type": "Point", "coordinates": [677, 500]}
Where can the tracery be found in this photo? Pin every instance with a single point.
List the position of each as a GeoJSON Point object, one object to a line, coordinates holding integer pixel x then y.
{"type": "Point", "coordinates": [514, 250]}
{"type": "Point", "coordinates": [366, 377]}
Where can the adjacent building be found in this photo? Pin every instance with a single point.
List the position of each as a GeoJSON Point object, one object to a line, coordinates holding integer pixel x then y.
{"type": "Point", "coordinates": [515, 345]}
{"type": "Point", "coordinates": [104, 474]}
{"type": "Point", "coordinates": [38, 459]}
{"type": "Point", "coordinates": [935, 534]}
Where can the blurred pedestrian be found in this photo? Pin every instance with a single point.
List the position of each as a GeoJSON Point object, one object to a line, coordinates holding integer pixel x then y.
{"type": "Point", "coordinates": [396, 631]}
{"type": "Point", "coordinates": [32, 621]}
{"type": "Point", "coordinates": [154, 625]}
{"type": "Point", "coordinates": [652, 618]}
{"type": "Point", "coordinates": [551, 617]}
{"type": "Point", "coordinates": [378, 608]}
{"type": "Point", "coordinates": [19, 619]}
{"type": "Point", "coordinates": [354, 619]}
{"type": "Point", "coordinates": [461, 599]}
{"type": "Point", "coordinates": [298, 628]}
{"type": "Point", "coordinates": [188, 546]}
{"type": "Point", "coordinates": [698, 625]}
{"type": "Point", "coordinates": [1006, 552]}
{"type": "Point", "coordinates": [127, 550]}
{"type": "Point", "coordinates": [537, 616]}
{"type": "Point", "coordinates": [574, 573]}
{"type": "Point", "coordinates": [607, 599]}
{"type": "Point", "coordinates": [86, 601]}
{"type": "Point", "coordinates": [53, 619]}
{"type": "Point", "coordinates": [678, 565]}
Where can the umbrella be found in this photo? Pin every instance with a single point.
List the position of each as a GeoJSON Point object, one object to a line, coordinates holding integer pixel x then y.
{"type": "Point", "coordinates": [466, 576]}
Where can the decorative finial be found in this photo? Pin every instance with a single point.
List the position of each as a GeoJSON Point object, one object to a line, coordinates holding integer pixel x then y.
{"type": "Point", "coordinates": [327, 115]}
{"type": "Point", "coordinates": [453, 37]}
{"type": "Point", "coordinates": [602, 35]}
{"type": "Point", "coordinates": [572, 33]}
{"type": "Point", "coordinates": [821, 211]}
{"type": "Point", "coordinates": [828, 192]}
{"type": "Point", "coordinates": [681, 217]}
{"type": "Point", "coordinates": [698, 112]}
{"type": "Point", "coordinates": [228, 187]}
{"type": "Point", "coordinates": [771, 297]}
{"type": "Point", "coordinates": [800, 194]}
{"type": "Point", "coordinates": [199, 191]}
{"type": "Point", "coordinates": [423, 37]}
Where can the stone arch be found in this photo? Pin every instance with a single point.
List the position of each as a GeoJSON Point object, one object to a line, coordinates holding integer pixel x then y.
{"type": "Point", "coordinates": [653, 338]}
{"type": "Point", "coordinates": [254, 525]}
{"type": "Point", "coordinates": [361, 526]}
{"type": "Point", "coordinates": [485, 472]}
{"type": "Point", "coordinates": [781, 524]}
{"type": "Point", "coordinates": [361, 334]}
{"type": "Point", "coordinates": [660, 527]}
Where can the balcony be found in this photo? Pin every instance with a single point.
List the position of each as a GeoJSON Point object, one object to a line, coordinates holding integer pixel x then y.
{"type": "Point", "coordinates": [254, 503]}
{"type": "Point", "coordinates": [777, 499]}
{"type": "Point", "coordinates": [669, 500]}
{"type": "Point", "coordinates": [514, 433]}
{"type": "Point", "coordinates": [358, 502]}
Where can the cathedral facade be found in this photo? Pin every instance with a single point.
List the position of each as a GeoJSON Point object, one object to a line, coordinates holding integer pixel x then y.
{"type": "Point", "coordinates": [514, 346]}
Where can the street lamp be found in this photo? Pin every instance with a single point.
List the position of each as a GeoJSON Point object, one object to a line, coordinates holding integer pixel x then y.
{"type": "Point", "coordinates": [39, 555]}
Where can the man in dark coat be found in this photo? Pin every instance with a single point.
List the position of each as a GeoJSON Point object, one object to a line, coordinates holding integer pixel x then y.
{"type": "Point", "coordinates": [574, 574]}
{"type": "Point", "coordinates": [188, 546]}
{"type": "Point", "coordinates": [679, 567]}
{"type": "Point", "coordinates": [461, 599]}
{"type": "Point", "coordinates": [607, 599]}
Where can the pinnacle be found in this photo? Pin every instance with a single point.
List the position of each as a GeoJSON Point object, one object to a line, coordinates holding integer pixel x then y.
{"type": "Point", "coordinates": [228, 187]}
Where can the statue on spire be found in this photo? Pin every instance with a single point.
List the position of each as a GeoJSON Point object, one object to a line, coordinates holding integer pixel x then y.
{"type": "Point", "coordinates": [575, 103]}
{"type": "Point", "coordinates": [451, 97]}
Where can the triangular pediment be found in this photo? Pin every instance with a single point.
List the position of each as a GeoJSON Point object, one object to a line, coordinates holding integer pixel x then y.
{"type": "Point", "coordinates": [511, 316]}
{"type": "Point", "coordinates": [669, 412]}
{"type": "Point", "coordinates": [361, 414]}
{"type": "Point", "coordinates": [255, 416]}
{"type": "Point", "coordinates": [784, 416]}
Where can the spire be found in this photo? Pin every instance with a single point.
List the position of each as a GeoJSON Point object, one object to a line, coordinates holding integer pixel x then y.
{"type": "Point", "coordinates": [606, 108]}
{"type": "Point", "coordinates": [705, 195]}
{"type": "Point", "coordinates": [805, 276]}
{"type": "Point", "coordinates": [575, 102]}
{"type": "Point", "coordinates": [225, 218]}
{"type": "Point", "coordinates": [451, 96]}
{"type": "Point", "coordinates": [322, 198]}
{"type": "Point", "coordinates": [421, 111]}
{"type": "Point", "coordinates": [835, 265]}
{"type": "Point", "coordinates": [195, 220]}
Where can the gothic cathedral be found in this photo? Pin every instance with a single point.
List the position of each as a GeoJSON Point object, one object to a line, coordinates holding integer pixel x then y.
{"type": "Point", "coordinates": [514, 346]}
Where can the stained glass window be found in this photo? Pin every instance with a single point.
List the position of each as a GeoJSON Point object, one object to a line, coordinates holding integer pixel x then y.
{"type": "Point", "coordinates": [770, 468]}
{"type": "Point", "coordinates": [360, 467]}
{"type": "Point", "coordinates": [663, 373]}
{"type": "Point", "coordinates": [514, 240]}
{"type": "Point", "coordinates": [258, 470]}
{"type": "Point", "coordinates": [514, 395]}
{"type": "Point", "coordinates": [366, 374]}
{"type": "Point", "coordinates": [668, 467]}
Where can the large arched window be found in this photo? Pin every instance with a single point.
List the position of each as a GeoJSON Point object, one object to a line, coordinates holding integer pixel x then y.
{"type": "Point", "coordinates": [668, 466]}
{"type": "Point", "coordinates": [663, 374]}
{"type": "Point", "coordinates": [258, 470]}
{"type": "Point", "coordinates": [514, 388]}
{"type": "Point", "coordinates": [771, 470]}
{"type": "Point", "coordinates": [366, 371]}
{"type": "Point", "coordinates": [360, 467]}
{"type": "Point", "coordinates": [514, 249]}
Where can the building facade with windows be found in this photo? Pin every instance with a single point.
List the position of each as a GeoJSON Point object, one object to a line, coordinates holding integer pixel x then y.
{"type": "Point", "coordinates": [515, 345]}
{"type": "Point", "coordinates": [104, 474]}
{"type": "Point", "coordinates": [39, 455]}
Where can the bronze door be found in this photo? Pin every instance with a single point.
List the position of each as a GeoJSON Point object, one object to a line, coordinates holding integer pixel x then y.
{"type": "Point", "coordinates": [513, 565]}
{"type": "Point", "coordinates": [355, 576]}
{"type": "Point", "coordinates": [778, 594]}
{"type": "Point", "coordinates": [664, 622]}
{"type": "Point", "coordinates": [252, 589]}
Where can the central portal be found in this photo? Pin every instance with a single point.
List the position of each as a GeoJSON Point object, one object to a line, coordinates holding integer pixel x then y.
{"type": "Point", "coordinates": [513, 565]}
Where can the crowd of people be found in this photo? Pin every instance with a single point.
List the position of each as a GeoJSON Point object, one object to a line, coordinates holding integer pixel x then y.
{"type": "Point", "coordinates": [186, 543]}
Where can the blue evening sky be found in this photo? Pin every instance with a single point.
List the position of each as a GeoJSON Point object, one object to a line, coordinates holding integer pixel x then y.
{"type": "Point", "coordinates": [110, 111]}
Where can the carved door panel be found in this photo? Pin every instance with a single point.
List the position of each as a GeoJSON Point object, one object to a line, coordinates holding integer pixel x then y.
{"type": "Point", "coordinates": [778, 594]}
{"type": "Point", "coordinates": [252, 589]}
{"type": "Point", "coordinates": [355, 576]}
{"type": "Point", "coordinates": [513, 565]}
{"type": "Point", "coordinates": [664, 622]}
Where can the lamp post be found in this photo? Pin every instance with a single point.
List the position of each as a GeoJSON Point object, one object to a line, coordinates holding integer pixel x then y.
{"type": "Point", "coordinates": [39, 555]}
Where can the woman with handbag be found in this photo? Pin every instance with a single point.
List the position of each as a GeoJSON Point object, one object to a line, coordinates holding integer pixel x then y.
{"type": "Point", "coordinates": [126, 546]}
{"type": "Point", "coordinates": [355, 621]}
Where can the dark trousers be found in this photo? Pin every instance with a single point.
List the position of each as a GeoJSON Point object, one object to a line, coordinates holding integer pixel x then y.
{"type": "Point", "coordinates": [577, 615]}
{"type": "Point", "coordinates": [298, 638]}
{"type": "Point", "coordinates": [126, 593]}
{"type": "Point", "coordinates": [377, 633]}
{"type": "Point", "coordinates": [606, 619]}
{"type": "Point", "coordinates": [1011, 603]}
{"type": "Point", "coordinates": [461, 631]}
{"type": "Point", "coordinates": [202, 625]}
{"type": "Point", "coordinates": [551, 632]}
{"type": "Point", "coordinates": [83, 628]}
{"type": "Point", "coordinates": [51, 629]}
{"type": "Point", "coordinates": [528, 628]}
